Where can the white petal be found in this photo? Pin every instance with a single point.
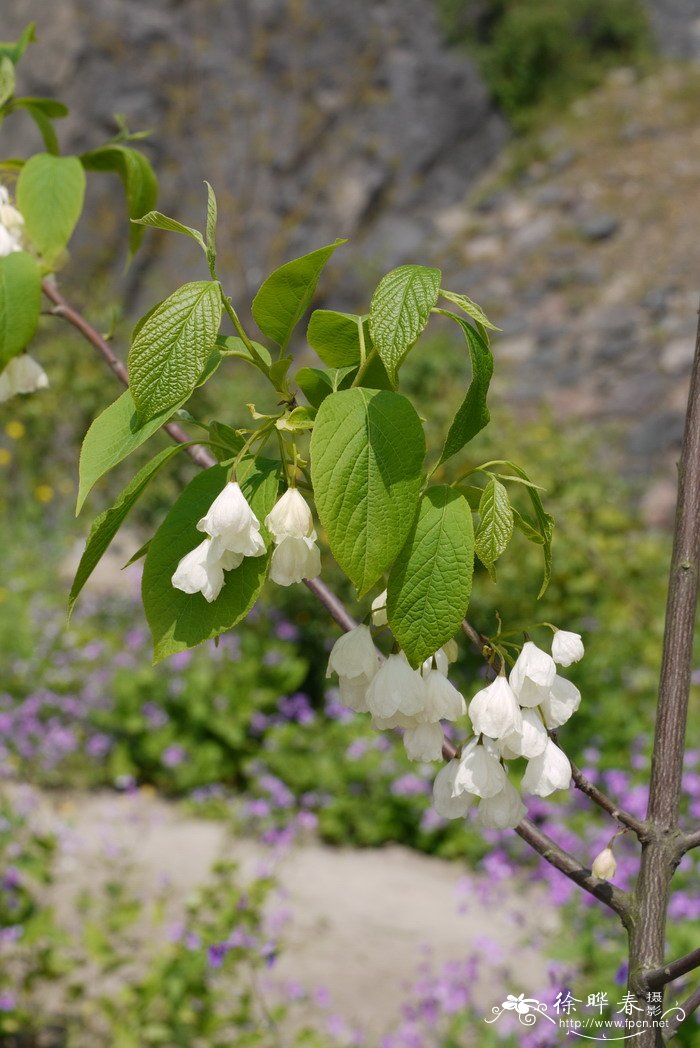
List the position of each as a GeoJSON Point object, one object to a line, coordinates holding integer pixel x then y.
{"type": "Point", "coordinates": [354, 655]}
{"type": "Point", "coordinates": [379, 610]}
{"type": "Point", "coordinates": [604, 865]}
{"type": "Point", "coordinates": [479, 773]}
{"type": "Point", "coordinates": [396, 688]}
{"type": "Point", "coordinates": [397, 720]}
{"type": "Point", "coordinates": [442, 700]}
{"type": "Point", "coordinates": [445, 801]}
{"type": "Point", "coordinates": [231, 519]}
{"type": "Point", "coordinates": [549, 772]}
{"type": "Point", "coordinates": [438, 661]}
{"type": "Point", "coordinates": [530, 741]}
{"type": "Point", "coordinates": [532, 664]}
{"type": "Point", "coordinates": [503, 811]}
{"type": "Point", "coordinates": [22, 375]}
{"type": "Point", "coordinates": [353, 694]}
{"type": "Point", "coordinates": [424, 742]}
{"type": "Point", "coordinates": [562, 700]}
{"type": "Point", "coordinates": [567, 647]}
{"type": "Point", "coordinates": [200, 572]}
{"type": "Point", "coordinates": [494, 711]}
{"type": "Point", "coordinates": [290, 516]}
{"type": "Point", "coordinates": [295, 559]}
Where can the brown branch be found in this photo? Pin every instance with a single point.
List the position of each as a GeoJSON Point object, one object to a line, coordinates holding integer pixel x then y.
{"type": "Point", "coordinates": [613, 897]}
{"type": "Point", "coordinates": [690, 1005]}
{"type": "Point", "coordinates": [658, 977]}
{"type": "Point", "coordinates": [608, 805]}
{"type": "Point", "coordinates": [689, 841]}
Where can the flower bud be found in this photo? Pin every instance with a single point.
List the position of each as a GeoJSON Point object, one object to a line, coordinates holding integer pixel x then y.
{"type": "Point", "coordinates": [494, 710]}
{"type": "Point", "coordinates": [567, 647]}
{"type": "Point", "coordinates": [290, 517]}
{"type": "Point", "coordinates": [231, 519]}
{"type": "Point", "coordinates": [604, 865]}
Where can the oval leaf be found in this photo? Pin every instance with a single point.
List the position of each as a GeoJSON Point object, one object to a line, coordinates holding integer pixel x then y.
{"type": "Point", "coordinates": [285, 296]}
{"type": "Point", "coordinates": [430, 584]}
{"type": "Point", "coordinates": [20, 302]}
{"type": "Point", "coordinates": [50, 193]}
{"type": "Point", "coordinates": [495, 523]}
{"type": "Point", "coordinates": [172, 346]}
{"type": "Point", "coordinates": [336, 337]}
{"type": "Point", "coordinates": [473, 413]}
{"type": "Point", "coordinates": [367, 452]}
{"type": "Point", "coordinates": [399, 311]}
{"type": "Point", "coordinates": [138, 177]}
{"type": "Point", "coordinates": [182, 620]}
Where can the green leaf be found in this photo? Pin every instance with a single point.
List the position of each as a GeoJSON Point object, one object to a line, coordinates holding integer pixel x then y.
{"type": "Point", "coordinates": [227, 443]}
{"type": "Point", "coordinates": [16, 49]}
{"type": "Point", "coordinates": [336, 337]}
{"type": "Point", "coordinates": [367, 452]}
{"type": "Point", "coordinates": [470, 308]}
{"type": "Point", "coordinates": [545, 524]}
{"type": "Point", "coordinates": [7, 79]}
{"type": "Point", "coordinates": [156, 220]}
{"type": "Point", "coordinates": [50, 193]}
{"type": "Point", "coordinates": [317, 384]}
{"type": "Point", "coordinates": [430, 583]}
{"type": "Point", "coordinates": [138, 177]}
{"type": "Point", "coordinates": [473, 413]}
{"type": "Point", "coordinates": [285, 296]}
{"type": "Point", "coordinates": [212, 213]}
{"type": "Point", "coordinates": [495, 523]}
{"type": "Point", "coordinates": [171, 348]}
{"type": "Point", "coordinates": [233, 346]}
{"type": "Point", "coordinates": [376, 377]}
{"type": "Point", "coordinates": [527, 527]}
{"type": "Point", "coordinates": [399, 311]}
{"type": "Point", "coordinates": [298, 420]}
{"type": "Point", "coordinates": [42, 111]}
{"type": "Point", "coordinates": [20, 302]}
{"type": "Point", "coordinates": [113, 435]}
{"type": "Point", "coordinates": [135, 557]}
{"type": "Point", "coordinates": [106, 526]}
{"type": "Point", "coordinates": [180, 620]}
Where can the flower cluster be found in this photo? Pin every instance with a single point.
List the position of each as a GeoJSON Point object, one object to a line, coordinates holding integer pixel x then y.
{"type": "Point", "coordinates": [22, 374]}
{"type": "Point", "coordinates": [233, 532]}
{"type": "Point", "coordinates": [511, 718]}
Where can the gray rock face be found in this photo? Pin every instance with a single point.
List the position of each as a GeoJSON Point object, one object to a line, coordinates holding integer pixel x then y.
{"type": "Point", "coordinates": [313, 119]}
{"type": "Point", "coordinates": [676, 24]}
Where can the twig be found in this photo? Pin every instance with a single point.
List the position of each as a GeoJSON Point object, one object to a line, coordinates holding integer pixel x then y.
{"type": "Point", "coordinates": [688, 841]}
{"type": "Point", "coordinates": [690, 1005]}
{"type": "Point", "coordinates": [583, 784]}
{"type": "Point", "coordinates": [658, 977]}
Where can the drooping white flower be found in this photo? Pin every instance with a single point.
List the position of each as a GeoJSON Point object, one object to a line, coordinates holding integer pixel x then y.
{"type": "Point", "coordinates": [442, 700]}
{"type": "Point", "coordinates": [479, 772]}
{"type": "Point", "coordinates": [532, 667]}
{"type": "Point", "coordinates": [561, 701]}
{"type": "Point", "coordinates": [354, 655]}
{"type": "Point", "coordinates": [604, 865]}
{"type": "Point", "coordinates": [353, 693]}
{"type": "Point", "coordinates": [438, 661]}
{"type": "Point", "coordinates": [201, 571]}
{"type": "Point", "coordinates": [290, 516]}
{"type": "Point", "coordinates": [22, 375]}
{"type": "Point", "coordinates": [451, 649]}
{"type": "Point", "coordinates": [230, 519]}
{"type": "Point", "coordinates": [503, 811]}
{"type": "Point", "coordinates": [424, 742]}
{"type": "Point", "coordinates": [567, 647]}
{"type": "Point", "coordinates": [11, 225]}
{"type": "Point", "coordinates": [379, 617]}
{"type": "Point", "coordinates": [295, 559]}
{"type": "Point", "coordinates": [549, 772]}
{"type": "Point", "coordinates": [397, 720]}
{"type": "Point", "coordinates": [396, 688]}
{"type": "Point", "coordinates": [494, 711]}
{"type": "Point", "coordinates": [447, 803]}
{"type": "Point", "coordinates": [529, 742]}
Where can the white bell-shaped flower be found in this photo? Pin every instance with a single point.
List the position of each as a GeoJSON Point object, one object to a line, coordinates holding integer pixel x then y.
{"type": "Point", "coordinates": [451, 649]}
{"type": "Point", "coordinates": [529, 742]}
{"type": "Point", "coordinates": [567, 647]}
{"type": "Point", "coordinates": [503, 811]}
{"type": "Point", "coordinates": [479, 772]}
{"type": "Point", "coordinates": [295, 559]}
{"type": "Point", "coordinates": [549, 772]}
{"type": "Point", "coordinates": [447, 803]}
{"type": "Point", "coordinates": [354, 655]}
{"type": "Point", "coordinates": [290, 516]}
{"type": "Point", "coordinates": [442, 700]}
{"type": "Point", "coordinates": [22, 375]}
{"type": "Point", "coordinates": [424, 742]}
{"type": "Point", "coordinates": [353, 693]}
{"type": "Point", "coordinates": [438, 661]}
{"type": "Point", "coordinates": [379, 610]}
{"type": "Point", "coordinates": [561, 701]}
{"type": "Point", "coordinates": [230, 519]}
{"type": "Point", "coordinates": [494, 711]}
{"type": "Point", "coordinates": [397, 720]}
{"type": "Point", "coordinates": [533, 666]}
{"type": "Point", "coordinates": [604, 865]}
{"type": "Point", "coordinates": [396, 688]}
{"type": "Point", "coordinates": [201, 571]}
